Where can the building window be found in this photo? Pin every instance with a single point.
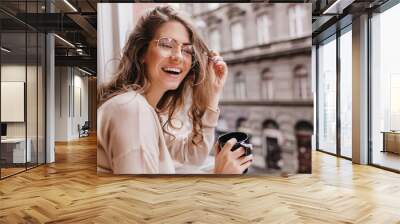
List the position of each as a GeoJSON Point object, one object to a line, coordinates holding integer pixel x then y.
{"type": "Point", "coordinates": [215, 40]}
{"type": "Point", "coordinates": [296, 15]}
{"type": "Point", "coordinates": [263, 29]}
{"type": "Point", "coordinates": [267, 87]}
{"type": "Point", "coordinates": [237, 36]}
{"type": "Point", "coordinates": [240, 86]}
{"type": "Point", "coordinates": [212, 6]}
{"type": "Point", "coordinates": [385, 88]}
{"type": "Point", "coordinates": [301, 83]}
{"type": "Point", "coordinates": [270, 124]}
{"type": "Point", "coordinates": [327, 95]}
{"type": "Point", "coordinates": [345, 93]}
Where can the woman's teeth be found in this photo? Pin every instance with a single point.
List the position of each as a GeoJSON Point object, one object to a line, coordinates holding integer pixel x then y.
{"type": "Point", "coordinates": [174, 71]}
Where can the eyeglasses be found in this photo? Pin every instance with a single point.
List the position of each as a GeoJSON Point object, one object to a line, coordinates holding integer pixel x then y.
{"type": "Point", "coordinates": [168, 46]}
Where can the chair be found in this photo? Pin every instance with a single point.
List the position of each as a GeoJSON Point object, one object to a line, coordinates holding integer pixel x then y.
{"type": "Point", "coordinates": [84, 130]}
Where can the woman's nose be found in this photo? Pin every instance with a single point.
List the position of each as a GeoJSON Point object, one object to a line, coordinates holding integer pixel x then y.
{"type": "Point", "coordinates": [176, 54]}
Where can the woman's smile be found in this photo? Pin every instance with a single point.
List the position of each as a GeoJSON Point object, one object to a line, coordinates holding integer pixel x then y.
{"type": "Point", "coordinates": [170, 70]}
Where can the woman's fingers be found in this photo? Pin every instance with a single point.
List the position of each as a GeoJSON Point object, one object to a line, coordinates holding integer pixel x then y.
{"type": "Point", "coordinates": [238, 152]}
{"type": "Point", "coordinates": [217, 59]}
{"type": "Point", "coordinates": [232, 162]}
{"type": "Point", "coordinates": [246, 159]}
{"type": "Point", "coordinates": [228, 145]}
{"type": "Point", "coordinates": [219, 66]}
{"type": "Point", "coordinates": [213, 53]}
{"type": "Point", "coordinates": [246, 165]}
{"type": "Point", "coordinates": [217, 148]}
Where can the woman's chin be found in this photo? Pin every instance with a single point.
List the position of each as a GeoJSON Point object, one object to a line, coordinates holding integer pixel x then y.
{"type": "Point", "coordinates": [166, 86]}
{"type": "Point", "coordinates": [172, 85]}
{"type": "Point", "coordinates": [171, 82]}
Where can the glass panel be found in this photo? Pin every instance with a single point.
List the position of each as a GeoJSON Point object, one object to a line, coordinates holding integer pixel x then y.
{"type": "Point", "coordinates": [346, 94]}
{"type": "Point", "coordinates": [23, 89]}
{"type": "Point", "coordinates": [32, 86]}
{"type": "Point", "coordinates": [31, 97]}
{"type": "Point", "coordinates": [17, 8]}
{"type": "Point", "coordinates": [327, 96]}
{"type": "Point", "coordinates": [385, 84]}
{"type": "Point", "coordinates": [13, 87]}
{"type": "Point", "coordinates": [41, 98]}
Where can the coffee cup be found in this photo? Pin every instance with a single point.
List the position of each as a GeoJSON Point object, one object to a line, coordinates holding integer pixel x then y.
{"type": "Point", "coordinates": [242, 140]}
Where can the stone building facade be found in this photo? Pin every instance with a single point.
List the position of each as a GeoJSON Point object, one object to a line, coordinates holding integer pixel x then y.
{"type": "Point", "coordinates": [268, 51]}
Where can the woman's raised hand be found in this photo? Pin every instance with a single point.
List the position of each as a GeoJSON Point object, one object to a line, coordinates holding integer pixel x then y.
{"type": "Point", "coordinates": [231, 162]}
{"type": "Point", "coordinates": [219, 73]}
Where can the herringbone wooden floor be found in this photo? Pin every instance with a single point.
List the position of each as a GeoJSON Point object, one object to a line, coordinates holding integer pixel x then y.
{"type": "Point", "coordinates": [70, 191]}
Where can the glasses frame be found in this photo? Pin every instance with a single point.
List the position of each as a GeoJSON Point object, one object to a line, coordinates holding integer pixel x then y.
{"type": "Point", "coordinates": [180, 45]}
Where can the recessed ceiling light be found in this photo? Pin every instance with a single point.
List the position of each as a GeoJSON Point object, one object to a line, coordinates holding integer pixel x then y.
{"type": "Point", "coordinates": [5, 50]}
{"type": "Point", "coordinates": [64, 40]}
{"type": "Point", "coordinates": [70, 5]}
{"type": "Point", "coordinates": [337, 7]}
{"type": "Point", "coordinates": [84, 71]}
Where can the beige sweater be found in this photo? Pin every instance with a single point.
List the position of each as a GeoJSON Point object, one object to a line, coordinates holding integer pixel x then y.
{"type": "Point", "coordinates": [130, 139]}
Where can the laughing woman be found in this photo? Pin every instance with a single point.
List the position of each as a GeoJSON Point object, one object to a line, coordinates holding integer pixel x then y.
{"type": "Point", "coordinates": [165, 65]}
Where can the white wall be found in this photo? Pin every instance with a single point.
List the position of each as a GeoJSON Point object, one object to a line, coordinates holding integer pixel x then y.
{"type": "Point", "coordinates": [80, 83]}
{"type": "Point", "coordinates": [61, 103]}
{"type": "Point", "coordinates": [12, 73]}
{"type": "Point", "coordinates": [67, 115]}
{"type": "Point", "coordinates": [12, 101]}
